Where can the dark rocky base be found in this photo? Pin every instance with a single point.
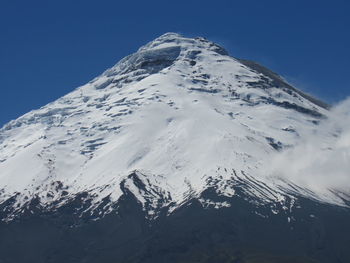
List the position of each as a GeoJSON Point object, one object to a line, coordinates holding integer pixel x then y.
{"type": "Point", "coordinates": [191, 234]}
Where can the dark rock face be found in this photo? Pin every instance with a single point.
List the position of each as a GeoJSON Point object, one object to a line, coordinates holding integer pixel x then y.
{"type": "Point", "coordinates": [243, 233]}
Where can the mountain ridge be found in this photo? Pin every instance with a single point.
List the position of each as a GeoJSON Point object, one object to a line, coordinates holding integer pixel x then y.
{"type": "Point", "coordinates": [171, 156]}
{"type": "Point", "coordinates": [154, 92]}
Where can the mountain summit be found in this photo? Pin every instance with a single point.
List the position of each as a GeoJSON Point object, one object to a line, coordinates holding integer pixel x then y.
{"type": "Point", "coordinates": [177, 130]}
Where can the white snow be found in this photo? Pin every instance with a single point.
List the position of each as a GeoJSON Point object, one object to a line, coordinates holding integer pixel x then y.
{"type": "Point", "coordinates": [177, 127]}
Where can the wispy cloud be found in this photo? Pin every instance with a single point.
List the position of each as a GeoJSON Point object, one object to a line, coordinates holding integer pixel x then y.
{"type": "Point", "coordinates": [321, 160]}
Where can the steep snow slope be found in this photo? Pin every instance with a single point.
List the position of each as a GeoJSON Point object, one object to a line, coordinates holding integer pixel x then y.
{"type": "Point", "coordinates": [167, 122]}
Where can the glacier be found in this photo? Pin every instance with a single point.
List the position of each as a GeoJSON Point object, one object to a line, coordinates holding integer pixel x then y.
{"type": "Point", "coordinates": [177, 117]}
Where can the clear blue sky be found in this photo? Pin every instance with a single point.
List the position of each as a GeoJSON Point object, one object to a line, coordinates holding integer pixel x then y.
{"type": "Point", "coordinates": [47, 48]}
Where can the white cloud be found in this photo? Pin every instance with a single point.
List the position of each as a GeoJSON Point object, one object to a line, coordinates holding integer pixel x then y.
{"type": "Point", "coordinates": [321, 160]}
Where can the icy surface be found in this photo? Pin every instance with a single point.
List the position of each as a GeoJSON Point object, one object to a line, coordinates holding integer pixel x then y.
{"type": "Point", "coordinates": [180, 112]}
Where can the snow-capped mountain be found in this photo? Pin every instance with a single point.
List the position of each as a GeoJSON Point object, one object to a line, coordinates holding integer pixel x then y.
{"type": "Point", "coordinates": [177, 121]}
{"type": "Point", "coordinates": [179, 114]}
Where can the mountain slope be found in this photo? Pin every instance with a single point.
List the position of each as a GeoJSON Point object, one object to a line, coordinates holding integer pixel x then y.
{"type": "Point", "coordinates": [178, 124]}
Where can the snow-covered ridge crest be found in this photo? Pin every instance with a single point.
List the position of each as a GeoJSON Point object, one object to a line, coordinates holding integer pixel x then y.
{"type": "Point", "coordinates": [180, 112]}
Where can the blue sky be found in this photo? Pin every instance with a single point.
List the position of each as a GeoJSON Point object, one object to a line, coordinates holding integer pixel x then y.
{"type": "Point", "coordinates": [48, 48]}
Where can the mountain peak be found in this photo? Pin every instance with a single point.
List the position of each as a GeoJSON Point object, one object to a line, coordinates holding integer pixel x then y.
{"type": "Point", "coordinates": [180, 111]}
{"type": "Point", "coordinates": [175, 39]}
{"type": "Point", "coordinates": [176, 138]}
{"type": "Point", "coordinates": [170, 35]}
{"type": "Point", "coordinates": [162, 52]}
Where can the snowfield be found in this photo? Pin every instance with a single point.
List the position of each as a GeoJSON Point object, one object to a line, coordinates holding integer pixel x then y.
{"type": "Point", "coordinates": [167, 122]}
